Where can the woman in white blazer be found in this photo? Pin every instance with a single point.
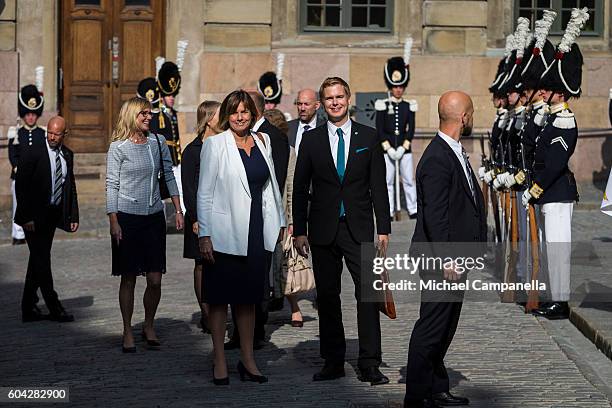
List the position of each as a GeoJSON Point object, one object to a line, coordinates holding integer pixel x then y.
{"type": "Point", "coordinates": [240, 216]}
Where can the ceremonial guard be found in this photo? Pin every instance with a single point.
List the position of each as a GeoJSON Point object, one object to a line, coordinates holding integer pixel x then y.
{"type": "Point", "coordinates": [395, 125]}
{"type": "Point", "coordinates": [30, 107]}
{"type": "Point", "coordinates": [554, 188]}
{"type": "Point", "coordinates": [270, 85]}
{"type": "Point", "coordinates": [147, 90]}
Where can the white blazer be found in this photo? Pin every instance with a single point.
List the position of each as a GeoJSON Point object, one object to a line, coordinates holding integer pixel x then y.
{"type": "Point", "coordinates": [224, 199]}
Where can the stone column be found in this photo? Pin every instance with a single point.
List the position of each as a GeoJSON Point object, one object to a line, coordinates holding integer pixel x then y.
{"type": "Point", "coordinates": [455, 27]}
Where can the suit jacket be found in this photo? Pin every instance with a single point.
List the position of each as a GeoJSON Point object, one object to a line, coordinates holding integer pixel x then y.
{"type": "Point", "coordinates": [293, 128]}
{"type": "Point", "coordinates": [280, 151]}
{"type": "Point", "coordinates": [362, 188]}
{"type": "Point", "coordinates": [33, 187]}
{"type": "Point", "coordinates": [224, 198]}
{"type": "Point", "coordinates": [447, 212]}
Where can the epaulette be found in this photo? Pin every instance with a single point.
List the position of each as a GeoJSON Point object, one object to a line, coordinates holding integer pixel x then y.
{"type": "Point", "coordinates": [11, 133]}
{"type": "Point", "coordinates": [540, 116]}
{"type": "Point", "coordinates": [380, 104]}
{"type": "Point", "coordinates": [414, 105]}
{"type": "Point", "coordinates": [565, 120]}
{"type": "Point", "coordinates": [287, 116]}
{"type": "Point", "coordinates": [44, 128]}
{"type": "Point", "coordinates": [501, 123]}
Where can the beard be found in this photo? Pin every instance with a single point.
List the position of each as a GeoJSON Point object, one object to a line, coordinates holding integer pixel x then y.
{"type": "Point", "coordinates": [466, 131]}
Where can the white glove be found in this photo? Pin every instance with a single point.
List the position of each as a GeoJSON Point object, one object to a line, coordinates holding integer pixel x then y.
{"type": "Point", "coordinates": [481, 173]}
{"type": "Point", "coordinates": [525, 198]}
{"type": "Point", "coordinates": [509, 180]}
{"type": "Point", "coordinates": [391, 152]}
{"type": "Point", "coordinates": [399, 153]}
{"type": "Point", "coordinates": [499, 183]}
{"type": "Point", "coordinates": [488, 176]}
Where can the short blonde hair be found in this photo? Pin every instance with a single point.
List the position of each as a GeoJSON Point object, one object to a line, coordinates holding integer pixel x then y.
{"type": "Point", "coordinates": [126, 122]}
{"type": "Point", "coordinates": [332, 81]}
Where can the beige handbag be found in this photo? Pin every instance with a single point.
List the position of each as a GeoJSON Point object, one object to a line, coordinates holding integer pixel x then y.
{"type": "Point", "coordinates": [297, 272]}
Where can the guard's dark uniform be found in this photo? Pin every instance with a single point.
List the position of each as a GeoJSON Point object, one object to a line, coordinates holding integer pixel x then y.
{"type": "Point", "coordinates": [30, 100]}
{"type": "Point", "coordinates": [169, 84]}
{"type": "Point", "coordinates": [395, 126]}
{"type": "Point", "coordinates": [554, 188]}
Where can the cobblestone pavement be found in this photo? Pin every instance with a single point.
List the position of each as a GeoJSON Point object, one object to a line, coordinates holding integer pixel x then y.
{"type": "Point", "coordinates": [500, 357]}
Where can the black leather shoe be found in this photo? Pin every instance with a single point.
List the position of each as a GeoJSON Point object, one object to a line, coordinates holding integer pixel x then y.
{"type": "Point", "coordinates": [151, 344]}
{"type": "Point", "coordinates": [33, 315]}
{"type": "Point", "coordinates": [61, 316]}
{"type": "Point", "coordinates": [219, 381]}
{"type": "Point", "coordinates": [245, 375]}
{"type": "Point", "coordinates": [413, 216]}
{"type": "Point", "coordinates": [424, 403]}
{"type": "Point", "coordinates": [330, 371]}
{"type": "Point", "coordinates": [447, 399]}
{"type": "Point", "coordinates": [18, 241]}
{"type": "Point", "coordinates": [554, 311]}
{"type": "Point", "coordinates": [373, 376]}
{"type": "Point", "coordinates": [231, 344]}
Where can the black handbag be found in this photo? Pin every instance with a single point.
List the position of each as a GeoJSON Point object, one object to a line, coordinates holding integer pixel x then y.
{"type": "Point", "coordinates": [161, 176]}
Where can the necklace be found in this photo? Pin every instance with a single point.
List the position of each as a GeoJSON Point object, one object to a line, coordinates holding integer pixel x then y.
{"type": "Point", "coordinates": [137, 140]}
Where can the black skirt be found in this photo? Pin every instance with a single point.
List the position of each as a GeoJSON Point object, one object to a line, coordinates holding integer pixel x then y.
{"type": "Point", "coordinates": [142, 248]}
{"type": "Point", "coordinates": [191, 246]}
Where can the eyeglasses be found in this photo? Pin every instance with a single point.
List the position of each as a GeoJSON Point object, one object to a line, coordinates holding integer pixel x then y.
{"type": "Point", "coordinates": [146, 113]}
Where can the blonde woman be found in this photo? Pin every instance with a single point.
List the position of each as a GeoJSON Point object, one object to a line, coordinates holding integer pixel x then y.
{"type": "Point", "coordinates": [135, 211]}
{"type": "Point", "coordinates": [208, 118]}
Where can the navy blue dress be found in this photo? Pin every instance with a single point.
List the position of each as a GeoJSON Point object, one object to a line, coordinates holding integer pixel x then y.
{"type": "Point", "coordinates": [243, 279]}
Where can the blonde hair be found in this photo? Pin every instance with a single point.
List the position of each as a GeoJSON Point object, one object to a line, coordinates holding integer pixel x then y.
{"type": "Point", "coordinates": [126, 123]}
{"type": "Point", "coordinates": [206, 111]}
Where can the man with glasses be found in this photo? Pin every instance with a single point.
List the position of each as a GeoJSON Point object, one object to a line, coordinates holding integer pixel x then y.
{"type": "Point", "coordinates": [46, 199]}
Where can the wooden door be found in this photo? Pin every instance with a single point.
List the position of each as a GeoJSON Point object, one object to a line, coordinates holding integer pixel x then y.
{"type": "Point", "coordinates": [107, 47]}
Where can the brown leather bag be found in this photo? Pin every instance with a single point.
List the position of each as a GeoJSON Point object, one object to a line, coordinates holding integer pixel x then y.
{"type": "Point", "coordinates": [387, 305]}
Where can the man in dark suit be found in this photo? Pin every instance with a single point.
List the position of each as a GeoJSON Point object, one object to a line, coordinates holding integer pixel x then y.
{"type": "Point", "coordinates": [307, 104]}
{"type": "Point", "coordinates": [46, 199]}
{"type": "Point", "coordinates": [451, 211]}
{"type": "Point", "coordinates": [343, 161]}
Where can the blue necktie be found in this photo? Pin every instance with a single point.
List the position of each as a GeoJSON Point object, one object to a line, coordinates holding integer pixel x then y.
{"type": "Point", "coordinates": [340, 163]}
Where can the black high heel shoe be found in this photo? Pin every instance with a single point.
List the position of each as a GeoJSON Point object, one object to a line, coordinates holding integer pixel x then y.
{"type": "Point", "coordinates": [151, 344]}
{"type": "Point", "coordinates": [128, 349]}
{"type": "Point", "coordinates": [246, 376]}
{"type": "Point", "coordinates": [219, 381]}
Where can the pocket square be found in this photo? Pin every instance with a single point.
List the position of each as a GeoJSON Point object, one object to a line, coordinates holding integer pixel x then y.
{"type": "Point", "coordinates": [361, 150]}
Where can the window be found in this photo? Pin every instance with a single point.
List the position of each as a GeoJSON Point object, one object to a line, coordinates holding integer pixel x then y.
{"type": "Point", "coordinates": [346, 15]}
{"type": "Point", "coordinates": [533, 10]}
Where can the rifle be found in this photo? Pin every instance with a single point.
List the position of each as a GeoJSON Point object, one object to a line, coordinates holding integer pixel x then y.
{"type": "Point", "coordinates": [511, 249]}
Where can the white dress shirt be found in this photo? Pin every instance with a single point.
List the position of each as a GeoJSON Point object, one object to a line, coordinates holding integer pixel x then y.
{"type": "Point", "coordinates": [300, 132]}
{"type": "Point", "coordinates": [52, 156]}
{"type": "Point", "coordinates": [333, 140]}
{"type": "Point", "coordinates": [258, 124]}
{"type": "Point", "coordinates": [458, 149]}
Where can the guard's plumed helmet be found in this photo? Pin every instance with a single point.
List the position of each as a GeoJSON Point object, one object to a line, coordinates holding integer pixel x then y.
{"type": "Point", "coordinates": [540, 53]}
{"type": "Point", "coordinates": [169, 79]}
{"type": "Point", "coordinates": [564, 74]}
{"type": "Point", "coordinates": [30, 101]}
{"type": "Point", "coordinates": [270, 87]}
{"type": "Point", "coordinates": [397, 73]}
{"type": "Point", "coordinates": [147, 90]}
{"type": "Point", "coordinates": [512, 81]}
